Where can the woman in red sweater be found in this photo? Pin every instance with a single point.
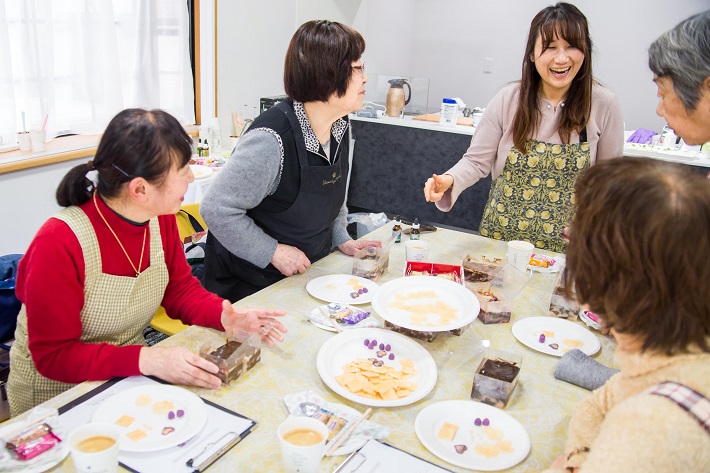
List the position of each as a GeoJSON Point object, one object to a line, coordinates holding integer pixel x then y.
{"type": "Point", "coordinates": [96, 272]}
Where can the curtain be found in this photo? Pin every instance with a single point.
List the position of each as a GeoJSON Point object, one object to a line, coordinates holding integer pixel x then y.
{"type": "Point", "coordinates": [80, 62]}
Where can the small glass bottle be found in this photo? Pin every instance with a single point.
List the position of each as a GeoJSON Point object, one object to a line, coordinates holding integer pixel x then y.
{"type": "Point", "coordinates": [200, 149]}
{"type": "Point", "coordinates": [205, 149]}
{"type": "Point", "coordinates": [397, 230]}
{"type": "Point", "coordinates": [414, 235]}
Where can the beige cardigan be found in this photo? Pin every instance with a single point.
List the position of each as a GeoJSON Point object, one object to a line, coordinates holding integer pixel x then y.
{"type": "Point", "coordinates": [627, 429]}
{"type": "Point", "coordinates": [493, 139]}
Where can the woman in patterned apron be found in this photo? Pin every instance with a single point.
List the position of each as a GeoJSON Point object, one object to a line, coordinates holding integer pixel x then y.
{"type": "Point", "coordinates": [96, 272]}
{"type": "Point", "coordinates": [638, 256]}
{"type": "Point", "coordinates": [538, 135]}
{"type": "Point", "coordinates": [279, 204]}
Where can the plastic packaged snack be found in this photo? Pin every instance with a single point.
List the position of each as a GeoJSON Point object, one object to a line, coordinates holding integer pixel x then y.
{"type": "Point", "coordinates": [32, 441]}
{"type": "Point", "coordinates": [235, 357]}
{"type": "Point", "coordinates": [496, 296]}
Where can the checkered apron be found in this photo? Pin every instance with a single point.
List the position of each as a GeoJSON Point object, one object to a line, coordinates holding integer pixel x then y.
{"type": "Point", "coordinates": [687, 399]}
{"type": "Point", "coordinates": [116, 310]}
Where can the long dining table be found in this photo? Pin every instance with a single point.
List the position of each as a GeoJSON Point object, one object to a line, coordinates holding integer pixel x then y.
{"type": "Point", "coordinates": [541, 403]}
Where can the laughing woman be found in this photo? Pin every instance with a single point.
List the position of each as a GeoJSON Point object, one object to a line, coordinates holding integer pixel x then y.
{"type": "Point", "coordinates": [537, 135]}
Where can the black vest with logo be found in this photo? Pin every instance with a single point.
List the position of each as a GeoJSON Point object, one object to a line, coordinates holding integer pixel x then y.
{"type": "Point", "coordinates": [299, 213]}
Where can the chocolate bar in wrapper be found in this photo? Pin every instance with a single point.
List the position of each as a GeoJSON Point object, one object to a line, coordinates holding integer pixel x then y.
{"type": "Point", "coordinates": [233, 358]}
{"type": "Point", "coordinates": [32, 441]}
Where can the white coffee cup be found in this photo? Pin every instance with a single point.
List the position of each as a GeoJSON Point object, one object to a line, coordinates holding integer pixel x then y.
{"type": "Point", "coordinates": [23, 139]}
{"type": "Point", "coordinates": [417, 250]}
{"type": "Point", "coordinates": [38, 139]}
{"type": "Point", "coordinates": [519, 253]}
{"type": "Point", "coordinates": [94, 448]}
{"type": "Point", "coordinates": [302, 441]}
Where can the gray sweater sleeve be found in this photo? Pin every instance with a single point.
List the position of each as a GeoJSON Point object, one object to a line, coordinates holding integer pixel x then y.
{"type": "Point", "coordinates": [340, 231]}
{"type": "Point", "coordinates": [252, 173]}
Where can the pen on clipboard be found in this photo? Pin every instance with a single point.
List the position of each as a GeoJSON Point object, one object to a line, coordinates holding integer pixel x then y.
{"type": "Point", "coordinates": [222, 445]}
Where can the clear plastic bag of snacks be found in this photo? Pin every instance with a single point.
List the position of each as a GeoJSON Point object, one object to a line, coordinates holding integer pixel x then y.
{"type": "Point", "coordinates": [234, 356]}
{"type": "Point", "coordinates": [497, 295]}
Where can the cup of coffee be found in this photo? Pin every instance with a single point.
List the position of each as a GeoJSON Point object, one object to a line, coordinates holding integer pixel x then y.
{"type": "Point", "coordinates": [417, 250]}
{"type": "Point", "coordinates": [94, 448]}
{"type": "Point", "coordinates": [519, 253]}
{"type": "Point", "coordinates": [302, 441]}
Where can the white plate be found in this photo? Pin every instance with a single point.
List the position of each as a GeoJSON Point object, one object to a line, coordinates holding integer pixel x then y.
{"type": "Point", "coordinates": [528, 331]}
{"type": "Point", "coordinates": [348, 346]}
{"type": "Point", "coordinates": [151, 422]}
{"type": "Point", "coordinates": [339, 287]}
{"type": "Point", "coordinates": [463, 414]}
{"type": "Point", "coordinates": [397, 302]}
{"type": "Point", "coordinates": [553, 268]}
{"type": "Point", "coordinates": [200, 171]}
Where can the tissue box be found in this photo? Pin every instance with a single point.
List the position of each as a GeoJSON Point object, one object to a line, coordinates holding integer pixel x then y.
{"type": "Point", "coordinates": [496, 377]}
{"type": "Point", "coordinates": [371, 262]}
{"type": "Point", "coordinates": [233, 358]}
{"type": "Point", "coordinates": [446, 271]}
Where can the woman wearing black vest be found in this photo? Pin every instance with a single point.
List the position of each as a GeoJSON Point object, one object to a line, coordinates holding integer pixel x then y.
{"type": "Point", "coordinates": [280, 202]}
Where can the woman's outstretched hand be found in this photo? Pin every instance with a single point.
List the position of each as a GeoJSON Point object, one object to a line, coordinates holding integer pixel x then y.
{"type": "Point", "coordinates": [249, 320]}
{"type": "Point", "coordinates": [436, 185]}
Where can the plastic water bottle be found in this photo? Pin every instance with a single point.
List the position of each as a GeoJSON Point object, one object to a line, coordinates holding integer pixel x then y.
{"type": "Point", "coordinates": [449, 109]}
{"type": "Point", "coordinates": [215, 138]}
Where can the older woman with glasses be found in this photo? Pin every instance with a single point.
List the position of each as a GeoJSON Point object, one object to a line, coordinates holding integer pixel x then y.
{"type": "Point", "coordinates": [638, 256]}
{"type": "Point", "coordinates": [279, 204]}
{"type": "Point", "coordinates": [96, 272]}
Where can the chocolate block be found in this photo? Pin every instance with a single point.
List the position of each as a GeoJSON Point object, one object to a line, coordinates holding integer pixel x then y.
{"type": "Point", "coordinates": [233, 359]}
{"type": "Point", "coordinates": [496, 378]}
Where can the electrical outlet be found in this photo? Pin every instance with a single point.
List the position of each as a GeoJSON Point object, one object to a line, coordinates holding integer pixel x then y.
{"type": "Point", "coordinates": [488, 65]}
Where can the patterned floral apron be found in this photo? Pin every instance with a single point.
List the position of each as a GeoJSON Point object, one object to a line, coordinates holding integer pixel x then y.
{"type": "Point", "coordinates": [116, 310]}
{"type": "Point", "coordinates": [533, 198]}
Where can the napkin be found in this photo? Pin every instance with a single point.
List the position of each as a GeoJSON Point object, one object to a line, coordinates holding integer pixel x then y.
{"type": "Point", "coordinates": [577, 368]}
{"type": "Point", "coordinates": [362, 433]}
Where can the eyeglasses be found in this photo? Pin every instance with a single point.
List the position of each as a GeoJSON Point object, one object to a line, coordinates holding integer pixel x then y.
{"type": "Point", "coordinates": [360, 68]}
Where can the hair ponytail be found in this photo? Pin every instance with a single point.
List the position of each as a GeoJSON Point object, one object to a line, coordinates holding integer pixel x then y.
{"type": "Point", "coordinates": [76, 188]}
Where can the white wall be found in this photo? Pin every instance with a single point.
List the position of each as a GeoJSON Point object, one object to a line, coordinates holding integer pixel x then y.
{"type": "Point", "coordinates": [27, 201]}
{"type": "Point", "coordinates": [445, 41]}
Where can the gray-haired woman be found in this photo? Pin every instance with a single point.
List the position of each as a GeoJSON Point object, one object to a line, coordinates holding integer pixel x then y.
{"type": "Point", "coordinates": [680, 61]}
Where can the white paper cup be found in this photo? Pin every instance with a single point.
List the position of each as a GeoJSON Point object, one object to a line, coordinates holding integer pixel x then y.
{"type": "Point", "coordinates": [91, 448]}
{"type": "Point", "coordinates": [302, 458]}
{"type": "Point", "coordinates": [519, 253]}
{"type": "Point", "coordinates": [23, 138]}
{"type": "Point", "coordinates": [38, 138]}
{"type": "Point", "coordinates": [417, 250]}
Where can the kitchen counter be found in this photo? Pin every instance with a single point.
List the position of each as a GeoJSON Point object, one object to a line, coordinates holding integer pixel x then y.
{"type": "Point", "coordinates": [409, 122]}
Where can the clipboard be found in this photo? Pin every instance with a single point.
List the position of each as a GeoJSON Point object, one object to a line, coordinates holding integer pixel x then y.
{"type": "Point", "coordinates": [377, 456]}
{"type": "Point", "coordinates": [223, 430]}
